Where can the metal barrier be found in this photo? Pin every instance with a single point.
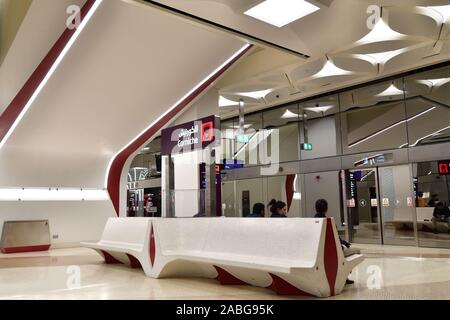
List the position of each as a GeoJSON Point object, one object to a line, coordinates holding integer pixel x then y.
{"type": "Point", "coordinates": [25, 236]}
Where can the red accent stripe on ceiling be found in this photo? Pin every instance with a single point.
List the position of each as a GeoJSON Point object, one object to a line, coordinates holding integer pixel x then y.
{"type": "Point", "coordinates": [119, 161]}
{"type": "Point", "coordinates": [12, 112]}
{"type": "Point", "coordinates": [330, 256]}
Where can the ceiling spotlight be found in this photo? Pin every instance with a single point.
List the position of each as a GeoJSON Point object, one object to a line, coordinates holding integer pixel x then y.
{"type": "Point", "coordinates": [281, 12]}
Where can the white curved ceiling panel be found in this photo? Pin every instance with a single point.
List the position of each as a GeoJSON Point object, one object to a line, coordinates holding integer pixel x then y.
{"type": "Point", "coordinates": [129, 65]}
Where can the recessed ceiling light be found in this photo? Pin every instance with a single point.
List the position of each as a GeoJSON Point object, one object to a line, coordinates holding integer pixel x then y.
{"type": "Point", "coordinates": [281, 12]}
{"type": "Point", "coordinates": [224, 102]}
{"type": "Point", "coordinates": [289, 114]}
{"type": "Point", "coordinates": [380, 32]}
{"type": "Point", "coordinates": [391, 91]}
{"type": "Point", "coordinates": [434, 82]}
{"type": "Point", "coordinates": [320, 109]}
{"type": "Point", "coordinates": [443, 10]}
{"type": "Point", "coordinates": [329, 70]}
{"type": "Point", "coordinates": [380, 57]}
{"type": "Point", "coordinates": [146, 149]}
{"type": "Point", "coordinates": [256, 94]}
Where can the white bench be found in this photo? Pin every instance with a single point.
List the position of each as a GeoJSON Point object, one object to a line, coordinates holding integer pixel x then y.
{"type": "Point", "coordinates": [296, 256]}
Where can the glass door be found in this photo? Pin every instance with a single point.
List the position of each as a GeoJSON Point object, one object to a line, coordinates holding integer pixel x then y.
{"type": "Point", "coordinates": [432, 191]}
{"type": "Point", "coordinates": [363, 206]}
{"type": "Point", "coordinates": [397, 205]}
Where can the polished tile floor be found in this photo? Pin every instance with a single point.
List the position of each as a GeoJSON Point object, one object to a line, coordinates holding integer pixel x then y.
{"type": "Point", "coordinates": [388, 272]}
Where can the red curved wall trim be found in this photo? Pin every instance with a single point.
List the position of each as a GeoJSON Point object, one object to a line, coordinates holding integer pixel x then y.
{"type": "Point", "coordinates": [115, 172]}
{"type": "Point", "coordinates": [331, 256]}
{"type": "Point", "coordinates": [12, 112]}
{"type": "Point", "coordinates": [290, 179]}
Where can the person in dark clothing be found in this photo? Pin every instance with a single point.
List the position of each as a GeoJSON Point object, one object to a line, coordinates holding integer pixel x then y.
{"type": "Point", "coordinates": [441, 213]}
{"type": "Point", "coordinates": [433, 200]}
{"type": "Point", "coordinates": [271, 206]}
{"type": "Point", "coordinates": [279, 210]}
{"type": "Point", "coordinates": [321, 212]}
{"type": "Point", "coordinates": [258, 211]}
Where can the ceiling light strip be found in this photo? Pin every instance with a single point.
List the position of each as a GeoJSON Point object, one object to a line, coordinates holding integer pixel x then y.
{"type": "Point", "coordinates": [14, 113]}
{"type": "Point", "coordinates": [429, 135]}
{"type": "Point", "coordinates": [52, 194]}
{"type": "Point", "coordinates": [390, 127]}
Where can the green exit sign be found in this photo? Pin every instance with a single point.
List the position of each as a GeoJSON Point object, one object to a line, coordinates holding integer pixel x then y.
{"type": "Point", "coordinates": [242, 138]}
{"type": "Point", "coordinates": [306, 146]}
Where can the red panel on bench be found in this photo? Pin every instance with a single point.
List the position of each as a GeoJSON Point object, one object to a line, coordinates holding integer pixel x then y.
{"type": "Point", "coordinates": [152, 246]}
{"type": "Point", "coordinates": [135, 264]}
{"type": "Point", "coordinates": [227, 278]}
{"type": "Point", "coordinates": [282, 287]}
{"type": "Point", "coordinates": [109, 259]}
{"type": "Point", "coordinates": [330, 257]}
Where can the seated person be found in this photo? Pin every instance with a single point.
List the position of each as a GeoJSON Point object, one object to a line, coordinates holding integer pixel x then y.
{"type": "Point", "coordinates": [279, 210]}
{"type": "Point", "coordinates": [321, 212]}
{"type": "Point", "coordinates": [441, 213]}
{"type": "Point", "coordinates": [258, 211]}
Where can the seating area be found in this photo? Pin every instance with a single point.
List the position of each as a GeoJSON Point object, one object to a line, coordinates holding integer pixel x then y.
{"type": "Point", "coordinates": [298, 256]}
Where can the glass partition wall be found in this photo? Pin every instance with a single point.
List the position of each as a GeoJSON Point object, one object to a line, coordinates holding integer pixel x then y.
{"type": "Point", "coordinates": [378, 123]}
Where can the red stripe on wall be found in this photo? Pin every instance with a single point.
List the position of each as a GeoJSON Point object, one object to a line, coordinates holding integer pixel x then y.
{"type": "Point", "coordinates": [331, 256]}
{"type": "Point", "coordinates": [118, 163]}
{"type": "Point", "coordinates": [12, 112]}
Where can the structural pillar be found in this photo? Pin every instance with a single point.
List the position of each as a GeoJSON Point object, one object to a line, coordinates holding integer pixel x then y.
{"type": "Point", "coordinates": [168, 187]}
{"type": "Point", "coordinates": [210, 179]}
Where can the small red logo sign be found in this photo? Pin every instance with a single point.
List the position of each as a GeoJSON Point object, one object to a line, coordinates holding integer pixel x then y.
{"type": "Point", "coordinates": [208, 131]}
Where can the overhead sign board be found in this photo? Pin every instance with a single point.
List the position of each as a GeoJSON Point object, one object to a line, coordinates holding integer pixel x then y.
{"type": "Point", "coordinates": [189, 136]}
